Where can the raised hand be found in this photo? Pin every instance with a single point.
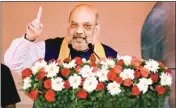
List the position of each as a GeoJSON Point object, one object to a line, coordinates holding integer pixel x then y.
{"type": "Point", "coordinates": [35, 28]}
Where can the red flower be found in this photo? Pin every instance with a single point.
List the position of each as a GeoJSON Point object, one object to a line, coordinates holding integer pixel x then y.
{"type": "Point", "coordinates": [47, 84]}
{"type": "Point", "coordinates": [33, 94]}
{"type": "Point", "coordinates": [77, 69]}
{"type": "Point", "coordinates": [93, 64]}
{"type": "Point", "coordinates": [168, 71]}
{"type": "Point", "coordinates": [112, 75]}
{"type": "Point", "coordinates": [53, 60]}
{"type": "Point", "coordinates": [50, 95]}
{"type": "Point", "coordinates": [161, 64]}
{"type": "Point", "coordinates": [78, 60]}
{"type": "Point", "coordinates": [137, 74]}
{"type": "Point", "coordinates": [41, 75]}
{"type": "Point", "coordinates": [82, 94]}
{"type": "Point", "coordinates": [140, 67]}
{"type": "Point", "coordinates": [119, 80]}
{"type": "Point", "coordinates": [26, 73]}
{"type": "Point", "coordinates": [95, 69]}
{"type": "Point", "coordinates": [67, 84]}
{"type": "Point", "coordinates": [120, 62]}
{"type": "Point", "coordinates": [110, 57]}
{"type": "Point", "coordinates": [92, 58]}
{"type": "Point", "coordinates": [82, 81]}
{"type": "Point", "coordinates": [67, 60]}
{"type": "Point", "coordinates": [59, 62]}
{"type": "Point", "coordinates": [160, 89]}
{"type": "Point", "coordinates": [135, 91]}
{"type": "Point", "coordinates": [144, 72]}
{"type": "Point", "coordinates": [118, 69]}
{"type": "Point", "coordinates": [154, 77]}
{"type": "Point", "coordinates": [65, 72]}
{"type": "Point", "coordinates": [100, 86]}
{"type": "Point", "coordinates": [127, 82]}
{"type": "Point", "coordinates": [136, 62]}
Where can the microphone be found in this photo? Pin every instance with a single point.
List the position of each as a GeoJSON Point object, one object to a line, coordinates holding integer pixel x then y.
{"type": "Point", "coordinates": [70, 47]}
{"type": "Point", "coordinates": [92, 49]}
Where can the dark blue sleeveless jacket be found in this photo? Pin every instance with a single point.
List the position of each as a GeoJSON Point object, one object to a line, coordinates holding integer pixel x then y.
{"type": "Point", "coordinates": [52, 49]}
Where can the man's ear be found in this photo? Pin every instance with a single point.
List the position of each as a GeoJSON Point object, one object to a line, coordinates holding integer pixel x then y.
{"type": "Point", "coordinates": [97, 27]}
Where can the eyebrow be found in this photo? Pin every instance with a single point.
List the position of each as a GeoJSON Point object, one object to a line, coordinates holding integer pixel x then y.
{"type": "Point", "coordinates": [73, 22]}
{"type": "Point", "coordinates": [83, 22]}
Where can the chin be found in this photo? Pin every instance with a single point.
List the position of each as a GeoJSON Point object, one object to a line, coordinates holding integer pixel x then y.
{"type": "Point", "coordinates": [79, 49]}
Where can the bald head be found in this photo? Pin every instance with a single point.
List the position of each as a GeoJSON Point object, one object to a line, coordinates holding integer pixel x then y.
{"type": "Point", "coordinates": [83, 26]}
{"type": "Point", "coordinates": [84, 9]}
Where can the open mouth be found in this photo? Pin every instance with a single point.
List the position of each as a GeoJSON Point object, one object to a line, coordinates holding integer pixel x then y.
{"type": "Point", "coordinates": [79, 37]}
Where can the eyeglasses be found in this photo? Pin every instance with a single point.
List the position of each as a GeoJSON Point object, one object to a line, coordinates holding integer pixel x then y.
{"type": "Point", "coordinates": [86, 26]}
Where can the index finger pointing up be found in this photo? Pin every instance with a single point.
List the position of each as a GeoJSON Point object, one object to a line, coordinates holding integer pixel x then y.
{"type": "Point", "coordinates": [39, 13]}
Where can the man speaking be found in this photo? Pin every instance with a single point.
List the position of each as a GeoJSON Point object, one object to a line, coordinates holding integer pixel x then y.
{"type": "Point", "coordinates": [83, 28]}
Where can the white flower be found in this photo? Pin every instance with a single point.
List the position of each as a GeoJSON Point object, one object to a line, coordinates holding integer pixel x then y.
{"type": "Point", "coordinates": [108, 62]}
{"type": "Point", "coordinates": [27, 83]}
{"type": "Point", "coordinates": [90, 84]}
{"type": "Point", "coordinates": [86, 71]}
{"type": "Point", "coordinates": [65, 65]}
{"type": "Point", "coordinates": [152, 65]}
{"type": "Point", "coordinates": [127, 73]}
{"type": "Point", "coordinates": [102, 74]}
{"type": "Point", "coordinates": [37, 66]}
{"type": "Point", "coordinates": [127, 59]}
{"type": "Point", "coordinates": [143, 84]}
{"type": "Point", "coordinates": [114, 88]}
{"type": "Point", "coordinates": [74, 81]}
{"type": "Point", "coordinates": [70, 64]}
{"type": "Point", "coordinates": [57, 84]}
{"type": "Point", "coordinates": [52, 69]}
{"type": "Point", "coordinates": [85, 61]}
{"type": "Point", "coordinates": [166, 79]}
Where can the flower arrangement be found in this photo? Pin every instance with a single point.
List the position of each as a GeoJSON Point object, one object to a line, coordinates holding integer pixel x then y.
{"type": "Point", "coordinates": [124, 82]}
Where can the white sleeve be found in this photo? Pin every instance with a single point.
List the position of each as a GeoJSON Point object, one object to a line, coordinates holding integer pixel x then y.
{"type": "Point", "coordinates": [22, 53]}
{"type": "Point", "coordinates": [118, 56]}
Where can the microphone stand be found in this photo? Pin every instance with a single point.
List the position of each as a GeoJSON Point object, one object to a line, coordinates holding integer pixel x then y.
{"type": "Point", "coordinates": [92, 49]}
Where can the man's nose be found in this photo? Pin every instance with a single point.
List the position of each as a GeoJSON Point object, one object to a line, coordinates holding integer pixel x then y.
{"type": "Point", "coordinates": [79, 30]}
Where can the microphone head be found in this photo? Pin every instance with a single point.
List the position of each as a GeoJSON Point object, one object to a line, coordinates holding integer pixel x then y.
{"type": "Point", "coordinates": [90, 45]}
{"type": "Point", "coordinates": [70, 46]}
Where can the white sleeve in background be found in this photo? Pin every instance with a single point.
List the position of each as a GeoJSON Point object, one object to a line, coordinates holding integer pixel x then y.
{"type": "Point", "coordinates": [23, 53]}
